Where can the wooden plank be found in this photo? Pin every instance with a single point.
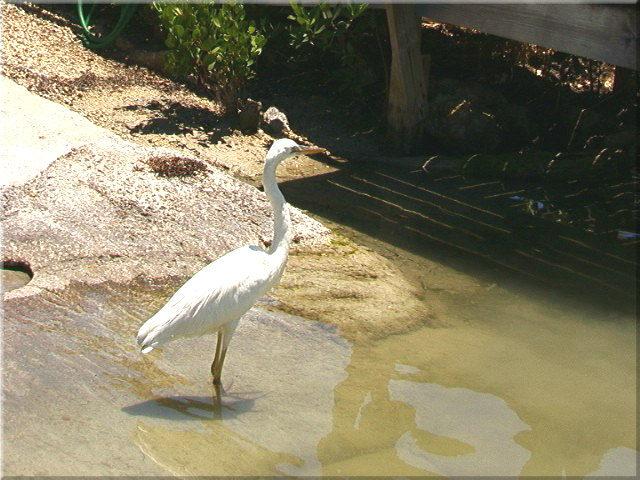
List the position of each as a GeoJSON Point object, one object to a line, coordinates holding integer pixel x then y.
{"type": "Point", "coordinates": [607, 33]}
{"type": "Point", "coordinates": [407, 107]}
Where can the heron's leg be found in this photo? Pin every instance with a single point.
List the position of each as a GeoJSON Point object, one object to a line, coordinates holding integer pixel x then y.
{"type": "Point", "coordinates": [217, 399]}
{"type": "Point", "coordinates": [216, 357]}
{"type": "Point", "coordinates": [217, 375]}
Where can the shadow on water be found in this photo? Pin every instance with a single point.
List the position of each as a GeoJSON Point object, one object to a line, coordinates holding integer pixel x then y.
{"type": "Point", "coordinates": [195, 408]}
{"type": "Point", "coordinates": [576, 239]}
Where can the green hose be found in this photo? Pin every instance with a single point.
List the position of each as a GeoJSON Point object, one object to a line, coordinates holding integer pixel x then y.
{"type": "Point", "coordinates": [91, 40]}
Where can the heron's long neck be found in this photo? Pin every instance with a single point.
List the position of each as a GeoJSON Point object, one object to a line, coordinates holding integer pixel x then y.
{"type": "Point", "coordinates": [281, 217]}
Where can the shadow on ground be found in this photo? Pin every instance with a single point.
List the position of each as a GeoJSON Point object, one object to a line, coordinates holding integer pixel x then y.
{"type": "Point", "coordinates": [173, 118]}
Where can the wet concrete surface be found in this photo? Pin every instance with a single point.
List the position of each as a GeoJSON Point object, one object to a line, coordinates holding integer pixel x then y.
{"type": "Point", "coordinates": [99, 213]}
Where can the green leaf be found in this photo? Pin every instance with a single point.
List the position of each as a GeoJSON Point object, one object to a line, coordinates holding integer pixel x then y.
{"type": "Point", "coordinates": [208, 43]}
{"type": "Point", "coordinates": [297, 9]}
{"type": "Point", "coordinates": [209, 61]}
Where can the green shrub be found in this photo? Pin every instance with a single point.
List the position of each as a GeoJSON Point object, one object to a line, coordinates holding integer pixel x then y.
{"type": "Point", "coordinates": [215, 43]}
{"type": "Point", "coordinates": [343, 45]}
{"type": "Point", "coordinates": [341, 34]}
{"type": "Point", "coordinates": [323, 26]}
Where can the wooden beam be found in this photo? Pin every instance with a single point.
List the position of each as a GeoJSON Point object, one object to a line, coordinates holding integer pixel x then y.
{"type": "Point", "coordinates": [607, 33]}
{"type": "Point", "coordinates": [407, 103]}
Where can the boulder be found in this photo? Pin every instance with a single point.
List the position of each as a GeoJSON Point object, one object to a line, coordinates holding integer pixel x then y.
{"type": "Point", "coordinates": [274, 121]}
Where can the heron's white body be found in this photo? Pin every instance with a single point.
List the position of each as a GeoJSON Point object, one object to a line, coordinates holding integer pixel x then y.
{"type": "Point", "coordinates": [216, 297]}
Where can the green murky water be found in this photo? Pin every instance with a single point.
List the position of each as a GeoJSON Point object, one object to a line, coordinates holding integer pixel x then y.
{"type": "Point", "coordinates": [514, 380]}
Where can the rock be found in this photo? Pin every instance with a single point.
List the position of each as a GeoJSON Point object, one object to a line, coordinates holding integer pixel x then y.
{"type": "Point", "coordinates": [36, 131]}
{"type": "Point", "coordinates": [274, 121]}
{"type": "Point", "coordinates": [113, 211]}
{"type": "Point", "coordinates": [249, 115]}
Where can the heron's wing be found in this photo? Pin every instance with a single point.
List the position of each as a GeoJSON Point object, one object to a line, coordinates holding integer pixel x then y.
{"type": "Point", "coordinates": [226, 285]}
{"type": "Point", "coordinates": [219, 293]}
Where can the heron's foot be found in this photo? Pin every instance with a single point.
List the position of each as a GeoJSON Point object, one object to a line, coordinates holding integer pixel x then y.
{"type": "Point", "coordinates": [217, 394]}
{"type": "Point", "coordinates": [217, 383]}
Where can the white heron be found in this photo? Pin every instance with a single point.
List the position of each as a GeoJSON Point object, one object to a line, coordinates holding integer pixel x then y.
{"type": "Point", "coordinates": [216, 297]}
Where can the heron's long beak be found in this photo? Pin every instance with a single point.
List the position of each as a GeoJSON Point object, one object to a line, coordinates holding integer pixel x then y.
{"type": "Point", "coordinates": [311, 150]}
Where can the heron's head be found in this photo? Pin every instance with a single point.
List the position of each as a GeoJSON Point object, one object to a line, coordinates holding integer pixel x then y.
{"type": "Point", "coordinates": [285, 148]}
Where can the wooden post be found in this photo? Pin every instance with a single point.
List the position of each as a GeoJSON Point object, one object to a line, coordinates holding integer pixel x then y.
{"type": "Point", "coordinates": [407, 105]}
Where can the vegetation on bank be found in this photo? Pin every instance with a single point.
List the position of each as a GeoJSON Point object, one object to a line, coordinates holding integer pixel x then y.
{"type": "Point", "coordinates": [220, 44]}
{"type": "Point", "coordinates": [506, 95]}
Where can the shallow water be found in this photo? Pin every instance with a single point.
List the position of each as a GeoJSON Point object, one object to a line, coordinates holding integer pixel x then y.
{"type": "Point", "coordinates": [12, 279]}
{"type": "Point", "coordinates": [513, 379]}
{"type": "Point", "coordinates": [509, 386]}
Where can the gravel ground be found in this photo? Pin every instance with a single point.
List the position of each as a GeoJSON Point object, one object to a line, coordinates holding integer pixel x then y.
{"type": "Point", "coordinates": [43, 52]}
